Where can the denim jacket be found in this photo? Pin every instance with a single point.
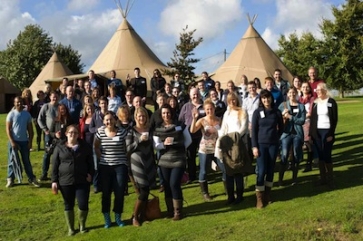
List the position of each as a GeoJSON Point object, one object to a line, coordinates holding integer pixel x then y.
{"type": "Point", "coordinates": [296, 121]}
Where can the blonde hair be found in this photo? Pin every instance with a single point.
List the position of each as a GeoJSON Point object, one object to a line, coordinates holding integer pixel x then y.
{"type": "Point", "coordinates": [27, 91]}
{"type": "Point", "coordinates": [232, 96]}
{"type": "Point", "coordinates": [123, 113]}
{"type": "Point", "coordinates": [324, 87]}
{"type": "Point", "coordinates": [84, 111]}
{"type": "Point", "coordinates": [143, 111]}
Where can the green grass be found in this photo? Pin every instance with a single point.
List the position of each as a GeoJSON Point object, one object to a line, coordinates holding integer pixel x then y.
{"type": "Point", "coordinates": [301, 212]}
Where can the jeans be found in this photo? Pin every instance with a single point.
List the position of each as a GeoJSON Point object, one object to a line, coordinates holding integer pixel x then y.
{"type": "Point", "coordinates": [46, 157]}
{"type": "Point", "coordinates": [39, 133]}
{"type": "Point", "coordinates": [72, 192]}
{"type": "Point", "coordinates": [113, 179]}
{"type": "Point", "coordinates": [191, 155]}
{"type": "Point", "coordinates": [266, 163]}
{"type": "Point", "coordinates": [296, 142]}
{"type": "Point", "coordinates": [323, 148]}
{"type": "Point", "coordinates": [22, 147]}
{"type": "Point", "coordinates": [205, 161]}
{"type": "Point", "coordinates": [172, 182]}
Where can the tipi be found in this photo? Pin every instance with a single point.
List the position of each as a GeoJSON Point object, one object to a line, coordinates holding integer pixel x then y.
{"type": "Point", "coordinates": [125, 51]}
{"type": "Point", "coordinates": [251, 57]}
{"type": "Point", "coordinates": [54, 68]}
{"type": "Point", "coordinates": [7, 94]}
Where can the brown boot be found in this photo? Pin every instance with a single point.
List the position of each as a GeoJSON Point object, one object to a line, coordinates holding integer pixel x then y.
{"type": "Point", "coordinates": [260, 198]}
{"type": "Point", "coordinates": [169, 207]}
{"type": "Point", "coordinates": [204, 189]}
{"type": "Point", "coordinates": [137, 211]}
{"type": "Point", "coordinates": [267, 196]}
{"type": "Point", "coordinates": [178, 208]}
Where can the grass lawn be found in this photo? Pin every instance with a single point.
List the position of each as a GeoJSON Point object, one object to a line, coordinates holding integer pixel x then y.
{"type": "Point", "coordinates": [301, 212]}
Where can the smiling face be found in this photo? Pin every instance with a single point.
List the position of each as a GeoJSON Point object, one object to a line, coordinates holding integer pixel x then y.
{"type": "Point", "coordinates": [140, 118]}
{"type": "Point", "coordinates": [165, 115]}
{"type": "Point", "coordinates": [172, 103]}
{"type": "Point", "coordinates": [277, 75]}
{"type": "Point", "coordinates": [252, 89]}
{"type": "Point", "coordinates": [209, 109]}
{"type": "Point", "coordinates": [72, 134]}
{"type": "Point", "coordinates": [266, 101]}
{"type": "Point", "coordinates": [269, 85]}
{"type": "Point", "coordinates": [312, 74]}
{"type": "Point", "coordinates": [321, 92]}
{"type": "Point", "coordinates": [194, 95]}
{"type": "Point", "coordinates": [18, 103]}
{"type": "Point", "coordinates": [305, 88]}
{"type": "Point", "coordinates": [109, 121]}
{"type": "Point", "coordinates": [62, 110]}
{"type": "Point", "coordinates": [297, 83]}
{"type": "Point", "coordinates": [89, 110]}
{"type": "Point", "coordinates": [291, 94]}
{"type": "Point", "coordinates": [136, 101]}
{"type": "Point", "coordinates": [53, 98]}
{"type": "Point", "coordinates": [213, 95]}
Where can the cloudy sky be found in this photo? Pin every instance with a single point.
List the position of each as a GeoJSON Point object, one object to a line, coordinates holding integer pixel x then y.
{"type": "Point", "coordinates": [88, 25]}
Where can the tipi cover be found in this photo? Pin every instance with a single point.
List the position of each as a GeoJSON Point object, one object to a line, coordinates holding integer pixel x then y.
{"type": "Point", "coordinates": [251, 57]}
{"type": "Point", "coordinates": [125, 51]}
{"type": "Point", "coordinates": [54, 68]}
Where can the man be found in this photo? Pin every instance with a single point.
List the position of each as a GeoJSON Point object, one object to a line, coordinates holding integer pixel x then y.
{"type": "Point", "coordinates": [231, 88]}
{"type": "Point", "coordinates": [63, 85]}
{"type": "Point", "coordinates": [136, 103]}
{"type": "Point", "coordinates": [74, 106]}
{"type": "Point", "coordinates": [78, 89]}
{"type": "Point", "coordinates": [180, 96]}
{"type": "Point", "coordinates": [176, 82]}
{"type": "Point", "coordinates": [87, 89]}
{"type": "Point", "coordinates": [203, 92]}
{"type": "Point", "coordinates": [314, 80]}
{"type": "Point", "coordinates": [186, 117]}
{"type": "Point", "coordinates": [250, 104]}
{"type": "Point", "coordinates": [19, 130]}
{"type": "Point", "coordinates": [117, 83]}
{"type": "Point", "coordinates": [278, 98]}
{"type": "Point", "coordinates": [157, 86]}
{"type": "Point", "coordinates": [46, 117]}
{"type": "Point", "coordinates": [208, 82]}
{"type": "Point", "coordinates": [95, 83]}
{"type": "Point", "coordinates": [280, 84]}
{"type": "Point", "coordinates": [129, 96]}
{"type": "Point", "coordinates": [138, 84]}
{"type": "Point", "coordinates": [220, 106]}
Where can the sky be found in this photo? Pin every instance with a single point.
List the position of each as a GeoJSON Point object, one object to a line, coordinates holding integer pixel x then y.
{"type": "Point", "coordinates": [88, 25]}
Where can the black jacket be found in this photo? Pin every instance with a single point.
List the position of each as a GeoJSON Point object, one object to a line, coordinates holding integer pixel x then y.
{"type": "Point", "coordinates": [71, 167]}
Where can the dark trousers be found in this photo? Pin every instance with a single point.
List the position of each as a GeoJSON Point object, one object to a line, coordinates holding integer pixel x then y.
{"type": "Point", "coordinates": [231, 181]}
{"type": "Point", "coordinates": [113, 179]}
{"type": "Point", "coordinates": [46, 157]}
{"type": "Point", "coordinates": [39, 134]}
{"type": "Point", "coordinates": [191, 155]}
{"type": "Point", "coordinates": [72, 192]}
{"type": "Point", "coordinates": [266, 163]}
{"type": "Point", "coordinates": [172, 182]}
{"type": "Point", "coordinates": [324, 148]}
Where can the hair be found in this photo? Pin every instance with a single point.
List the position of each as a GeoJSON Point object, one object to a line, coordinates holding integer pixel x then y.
{"type": "Point", "coordinates": [278, 70]}
{"type": "Point", "coordinates": [84, 110]}
{"type": "Point", "coordinates": [23, 95]}
{"type": "Point", "coordinates": [113, 71]}
{"type": "Point", "coordinates": [208, 101]}
{"type": "Point", "coordinates": [230, 82]}
{"type": "Point", "coordinates": [245, 79]}
{"type": "Point", "coordinates": [121, 113]}
{"type": "Point", "coordinates": [312, 67]}
{"type": "Point", "coordinates": [205, 72]}
{"type": "Point", "coordinates": [251, 83]}
{"type": "Point", "coordinates": [292, 88]}
{"type": "Point", "coordinates": [40, 92]}
{"type": "Point", "coordinates": [217, 82]}
{"type": "Point", "coordinates": [157, 72]}
{"type": "Point", "coordinates": [307, 83]}
{"type": "Point", "coordinates": [91, 71]}
{"type": "Point", "coordinates": [72, 126]}
{"type": "Point", "coordinates": [325, 88]}
{"type": "Point", "coordinates": [257, 82]}
{"type": "Point", "coordinates": [110, 113]}
{"type": "Point", "coordinates": [102, 98]}
{"type": "Point", "coordinates": [65, 78]}
{"type": "Point", "coordinates": [94, 90]}
{"type": "Point", "coordinates": [266, 94]}
{"type": "Point", "coordinates": [166, 106]}
{"type": "Point", "coordinates": [144, 111]}
{"type": "Point", "coordinates": [53, 92]}
{"type": "Point", "coordinates": [112, 87]}
{"type": "Point", "coordinates": [87, 96]}
{"type": "Point", "coordinates": [269, 79]}
{"type": "Point", "coordinates": [137, 68]}
{"type": "Point", "coordinates": [231, 96]}
{"type": "Point", "coordinates": [172, 98]}
{"type": "Point", "coordinates": [19, 98]}
{"type": "Point", "coordinates": [59, 117]}
{"type": "Point", "coordinates": [48, 85]}
{"type": "Point", "coordinates": [167, 84]}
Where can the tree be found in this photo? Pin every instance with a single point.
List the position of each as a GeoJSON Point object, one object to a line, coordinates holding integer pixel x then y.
{"type": "Point", "coordinates": [26, 55]}
{"type": "Point", "coordinates": [182, 62]}
{"type": "Point", "coordinates": [343, 43]}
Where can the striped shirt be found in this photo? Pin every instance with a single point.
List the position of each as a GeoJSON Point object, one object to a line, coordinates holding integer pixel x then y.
{"type": "Point", "coordinates": [113, 149]}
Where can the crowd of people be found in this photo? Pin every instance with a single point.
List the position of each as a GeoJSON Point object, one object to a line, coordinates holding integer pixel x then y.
{"type": "Point", "coordinates": [106, 137]}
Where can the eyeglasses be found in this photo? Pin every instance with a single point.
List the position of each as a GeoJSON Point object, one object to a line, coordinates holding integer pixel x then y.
{"type": "Point", "coordinates": [73, 132]}
{"type": "Point", "coordinates": [176, 75]}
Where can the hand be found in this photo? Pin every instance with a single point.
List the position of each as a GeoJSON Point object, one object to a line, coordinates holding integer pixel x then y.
{"type": "Point", "coordinates": [30, 145]}
{"type": "Point", "coordinates": [128, 77]}
{"type": "Point", "coordinates": [13, 145]}
{"type": "Point", "coordinates": [168, 141]}
{"type": "Point", "coordinates": [329, 139]}
{"type": "Point", "coordinates": [143, 99]}
{"type": "Point", "coordinates": [89, 177]}
{"type": "Point", "coordinates": [46, 132]}
{"type": "Point", "coordinates": [58, 135]}
{"type": "Point", "coordinates": [55, 188]}
{"type": "Point", "coordinates": [144, 137]}
{"type": "Point", "coordinates": [255, 152]}
{"type": "Point", "coordinates": [195, 113]}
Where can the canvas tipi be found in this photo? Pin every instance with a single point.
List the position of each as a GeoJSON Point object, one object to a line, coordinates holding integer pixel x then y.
{"type": "Point", "coordinates": [54, 68]}
{"type": "Point", "coordinates": [7, 94]}
{"type": "Point", "coordinates": [125, 51]}
{"type": "Point", "coordinates": [251, 57]}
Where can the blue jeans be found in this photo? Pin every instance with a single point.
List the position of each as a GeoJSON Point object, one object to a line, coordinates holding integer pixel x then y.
{"type": "Point", "coordinates": [296, 142]}
{"type": "Point", "coordinates": [266, 163]}
{"type": "Point", "coordinates": [205, 161]}
{"type": "Point", "coordinates": [46, 157]}
{"type": "Point", "coordinates": [113, 179]}
{"type": "Point", "coordinates": [24, 153]}
{"type": "Point", "coordinates": [72, 192]}
{"type": "Point", "coordinates": [172, 182]}
{"type": "Point", "coordinates": [323, 148]}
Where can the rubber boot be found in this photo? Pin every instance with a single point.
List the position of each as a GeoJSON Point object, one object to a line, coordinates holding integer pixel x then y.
{"type": "Point", "coordinates": [309, 161]}
{"type": "Point", "coordinates": [178, 209]}
{"type": "Point", "coordinates": [322, 170]}
{"type": "Point", "coordinates": [82, 217]}
{"type": "Point", "coordinates": [295, 170]}
{"type": "Point", "coordinates": [259, 198]}
{"type": "Point", "coordinates": [118, 220]}
{"type": "Point", "coordinates": [330, 179]}
{"type": "Point", "coordinates": [204, 189]}
{"type": "Point", "coordinates": [136, 221]}
{"type": "Point", "coordinates": [169, 207]}
{"type": "Point", "coordinates": [107, 218]}
{"type": "Point", "coordinates": [70, 222]}
{"type": "Point", "coordinates": [267, 196]}
{"type": "Point", "coordinates": [281, 174]}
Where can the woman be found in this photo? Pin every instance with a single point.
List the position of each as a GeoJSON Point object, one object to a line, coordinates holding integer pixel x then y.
{"type": "Point", "coordinates": [297, 84]}
{"type": "Point", "coordinates": [84, 123]}
{"type": "Point", "coordinates": [323, 122]}
{"type": "Point", "coordinates": [35, 113]}
{"type": "Point", "coordinates": [124, 117]}
{"type": "Point", "coordinates": [114, 101]}
{"type": "Point", "coordinates": [307, 100]}
{"type": "Point", "coordinates": [27, 99]}
{"type": "Point", "coordinates": [157, 86]}
{"type": "Point", "coordinates": [210, 124]}
{"type": "Point", "coordinates": [219, 90]}
{"type": "Point", "coordinates": [142, 162]}
{"type": "Point", "coordinates": [72, 174]}
{"type": "Point", "coordinates": [293, 135]}
{"type": "Point", "coordinates": [258, 85]}
{"type": "Point", "coordinates": [169, 140]}
{"type": "Point", "coordinates": [234, 121]}
{"type": "Point", "coordinates": [110, 148]}
{"type": "Point", "coordinates": [267, 127]}
{"type": "Point", "coordinates": [58, 129]}
{"type": "Point", "coordinates": [173, 102]}
{"type": "Point", "coordinates": [95, 96]}
{"type": "Point", "coordinates": [47, 92]}
{"type": "Point", "coordinates": [220, 106]}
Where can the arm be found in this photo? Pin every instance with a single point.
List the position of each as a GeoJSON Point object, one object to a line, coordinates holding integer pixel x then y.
{"type": "Point", "coordinates": [243, 118]}
{"type": "Point", "coordinates": [9, 125]}
{"type": "Point", "coordinates": [158, 144]}
{"type": "Point", "coordinates": [92, 125]}
{"type": "Point", "coordinates": [196, 125]}
{"type": "Point", "coordinates": [42, 119]}
{"type": "Point", "coordinates": [30, 134]}
{"type": "Point", "coordinates": [131, 141]}
{"type": "Point", "coordinates": [97, 144]}
{"type": "Point", "coordinates": [55, 165]}
{"type": "Point", "coordinates": [299, 119]}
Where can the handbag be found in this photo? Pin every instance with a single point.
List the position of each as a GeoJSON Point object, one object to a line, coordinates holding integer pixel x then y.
{"type": "Point", "coordinates": [152, 210]}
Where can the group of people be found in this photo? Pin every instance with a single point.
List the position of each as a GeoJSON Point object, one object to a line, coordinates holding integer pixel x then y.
{"type": "Point", "coordinates": [108, 141]}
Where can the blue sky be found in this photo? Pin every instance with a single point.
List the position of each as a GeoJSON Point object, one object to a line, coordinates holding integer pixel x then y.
{"type": "Point", "coordinates": [89, 24]}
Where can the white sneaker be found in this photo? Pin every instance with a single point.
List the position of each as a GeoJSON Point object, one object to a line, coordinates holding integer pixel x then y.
{"type": "Point", "coordinates": [9, 183]}
{"type": "Point", "coordinates": [34, 182]}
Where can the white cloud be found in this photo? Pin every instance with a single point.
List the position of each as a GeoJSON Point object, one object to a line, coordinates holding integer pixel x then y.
{"type": "Point", "coordinates": [209, 17]}
{"type": "Point", "coordinates": [14, 19]}
{"type": "Point", "coordinates": [270, 38]}
{"type": "Point", "coordinates": [82, 4]}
